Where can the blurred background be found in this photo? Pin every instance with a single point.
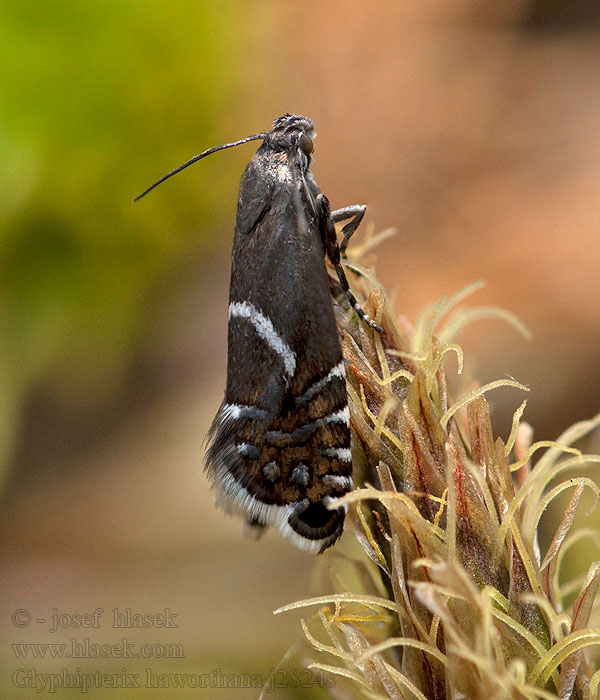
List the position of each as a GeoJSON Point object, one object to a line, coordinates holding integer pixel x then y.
{"type": "Point", "coordinates": [470, 127]}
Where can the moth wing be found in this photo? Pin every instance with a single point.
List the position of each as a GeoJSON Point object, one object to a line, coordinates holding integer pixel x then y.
{"type": "Point", "coordinates": [279, 445]}
{"type": "Point", "coordinates": [255, 198]}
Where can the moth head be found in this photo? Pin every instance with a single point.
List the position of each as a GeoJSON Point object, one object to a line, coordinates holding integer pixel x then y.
{"type": "Point", "coordinates": [292, 133]}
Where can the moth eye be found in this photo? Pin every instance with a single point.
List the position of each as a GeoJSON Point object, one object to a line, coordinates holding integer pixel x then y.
{"type": "Point", "coordinates": [305, 144]}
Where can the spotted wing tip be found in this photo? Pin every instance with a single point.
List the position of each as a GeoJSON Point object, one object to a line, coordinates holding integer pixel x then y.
{"type": "Point", "coordinates": [234, 500]}
{"type": "Point", "coordinates": [310, 526]}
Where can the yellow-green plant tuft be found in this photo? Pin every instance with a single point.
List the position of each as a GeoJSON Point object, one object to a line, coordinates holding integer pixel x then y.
{"type": "Point", "coordinates": [456, 600]}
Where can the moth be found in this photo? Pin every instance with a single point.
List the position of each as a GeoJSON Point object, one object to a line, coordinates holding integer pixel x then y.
{"type": "Point", "coordinates": [279, 445]}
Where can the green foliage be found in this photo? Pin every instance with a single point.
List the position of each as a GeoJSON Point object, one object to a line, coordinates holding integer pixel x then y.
{"type": "Point", "coordinates": [452, 595]}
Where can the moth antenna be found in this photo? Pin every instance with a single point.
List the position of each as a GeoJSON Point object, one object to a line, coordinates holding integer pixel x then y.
{"type": "Point", "coordinates": [254, 137]}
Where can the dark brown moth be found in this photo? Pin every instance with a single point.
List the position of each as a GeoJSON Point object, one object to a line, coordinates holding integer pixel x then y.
{"type": "Point", "coordinates": [279, 445]}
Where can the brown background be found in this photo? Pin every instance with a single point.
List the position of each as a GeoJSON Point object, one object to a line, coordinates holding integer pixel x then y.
{"type": "Point", "coordinates": [474, 131]}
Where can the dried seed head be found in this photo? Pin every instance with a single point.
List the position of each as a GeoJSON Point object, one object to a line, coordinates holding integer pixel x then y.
{"type": "Point", "coordinates": [457, 599]}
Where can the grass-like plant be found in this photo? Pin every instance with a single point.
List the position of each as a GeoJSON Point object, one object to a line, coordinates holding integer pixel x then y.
{"type": "Point", "coordinates": [453, 597]}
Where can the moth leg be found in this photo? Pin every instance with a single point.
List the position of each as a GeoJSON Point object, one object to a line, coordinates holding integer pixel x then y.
{"type": "Point", "coordinates": [333, 250]}
{"type": "Point", "coordinates": [355, 212]}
